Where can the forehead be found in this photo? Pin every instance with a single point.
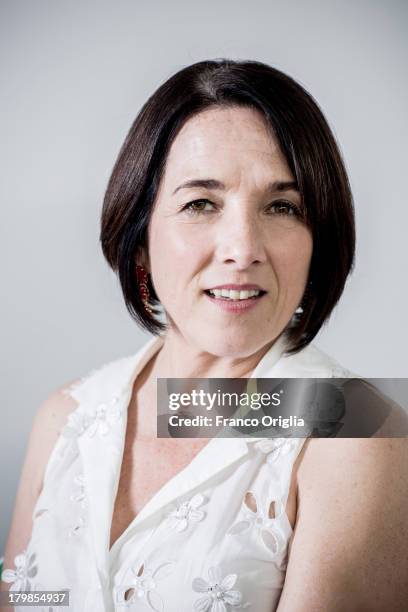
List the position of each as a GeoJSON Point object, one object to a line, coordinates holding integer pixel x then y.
{"type": "Point", "coordinates": [224, 140]}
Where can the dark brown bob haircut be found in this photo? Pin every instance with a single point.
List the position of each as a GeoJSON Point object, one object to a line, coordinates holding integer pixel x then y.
{"type": "Point", "coordinates": [305, 140]}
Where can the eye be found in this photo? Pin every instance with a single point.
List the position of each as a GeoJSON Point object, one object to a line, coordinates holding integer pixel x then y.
{"type": "Point", "coordinates": [282, 207]}
{"type": "Point", "coordinates": [199, 206]}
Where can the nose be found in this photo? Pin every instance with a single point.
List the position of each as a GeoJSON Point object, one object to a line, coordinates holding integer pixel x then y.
{"type": "Point", "coordinates": [240, 241]}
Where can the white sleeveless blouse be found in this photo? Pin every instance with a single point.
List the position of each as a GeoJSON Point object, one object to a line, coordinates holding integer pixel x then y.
{"type": "Point", "coordinates": [214, 538]}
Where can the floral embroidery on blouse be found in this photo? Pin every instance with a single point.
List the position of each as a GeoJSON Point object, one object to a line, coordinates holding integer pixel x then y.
{"type": "Point", "coordinates": [180, 518]}
{"type": "Point", "coordinates": [103, 417]}
{"type": "Point", "coordinates": [218, 592]}
{"type": "Point", "coordinates": [79, 496]}
{"type": "Point", "coordinates": [21, 577]}
{"type": "Point", "coordinates": [143, 585]}
{"type": "Point", "coordinates": [77, 527]}
{"type": "Point", "coordinates": [98, 421]}
{"type": "Point", "coordinates": [25, 570]}
{"type": "Point", "coordinates": [259, 519]}
{"type": "Point", "coordinates": [77, 424]}
{"type": "Point", "coordinates": [276, 448]}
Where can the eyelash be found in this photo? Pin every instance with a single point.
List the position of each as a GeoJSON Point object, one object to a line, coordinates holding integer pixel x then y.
{"type": "Point", "coordinates": [188, 207]}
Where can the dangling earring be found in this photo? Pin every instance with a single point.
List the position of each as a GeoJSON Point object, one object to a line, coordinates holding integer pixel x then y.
{"type": "Point", "coordinates": [142, 277]}
{"type": "Point", "coordinates": [296, 317]}
{"type": "Point", "coordinates": [301, 308]}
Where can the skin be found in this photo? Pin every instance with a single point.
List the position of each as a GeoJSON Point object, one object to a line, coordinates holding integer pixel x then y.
{"type": "Point", "coordinates": [244, 233]}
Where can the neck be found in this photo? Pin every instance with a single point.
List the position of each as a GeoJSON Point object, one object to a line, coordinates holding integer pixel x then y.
{"type": "Point", "coordinates": [179, 359]}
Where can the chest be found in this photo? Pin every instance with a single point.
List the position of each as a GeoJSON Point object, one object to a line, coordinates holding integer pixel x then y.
{"type": "Point", "coordinates": [148, 464]}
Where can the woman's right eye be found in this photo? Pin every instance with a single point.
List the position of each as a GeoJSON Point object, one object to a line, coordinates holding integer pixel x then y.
{"type": "Point", "coordinates": [199, 206]}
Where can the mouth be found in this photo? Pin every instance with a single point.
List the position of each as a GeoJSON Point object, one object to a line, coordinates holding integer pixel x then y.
{"type": "Point", "coordinates": [235, 293]}
{"type": "Point", "coordinates": [231, 295]}
{"type": "Point", "coordinates": [235, 302]}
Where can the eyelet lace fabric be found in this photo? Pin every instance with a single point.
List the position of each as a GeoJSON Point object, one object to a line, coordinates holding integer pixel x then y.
{"type": "Point", "coordinates": [214, 538]}
{"type": "Point", "coordinates": [186, 514]}
{"type": "Point", "coordinates": [143, 586]}
{"type": "Point", "coordinates": [23, 574]}
{"type": "Point", "coordinates": [260, 521]}
{"type": "Point", "coordinates": [220, 595]}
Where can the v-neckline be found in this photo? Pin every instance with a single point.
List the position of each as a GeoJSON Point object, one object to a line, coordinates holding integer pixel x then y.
{"type": "Point", "coordinates": [151, 349]}
{"type": "Point", "coordinates": [102, 469]}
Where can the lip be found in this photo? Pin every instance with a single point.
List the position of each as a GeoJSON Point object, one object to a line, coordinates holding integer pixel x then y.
{"type": "Point", "coordinates": [245, 287]}
{"type": "Point", "coordinates": [238, 306]}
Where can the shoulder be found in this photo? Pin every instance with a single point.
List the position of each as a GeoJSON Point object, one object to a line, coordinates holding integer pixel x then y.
{"type": "Point", "coordinates": [357, 487]}
{"type": "Point", "coordinates": [353, 458]}
{"type": "Point", "coordinates": [50, 419]}
{"type": "Point", "coordinates": [57, 406]}
{"type": "Point", "coordinates": [351, 527]}
{"type": "Point", "coordinates": [114, 377]}
{"type": "Point", "coordinates": [54, 412]}
{"type": "Point", "coordinates": [46, 428]}
{"type": "Point", "coordinates": [107, 379]}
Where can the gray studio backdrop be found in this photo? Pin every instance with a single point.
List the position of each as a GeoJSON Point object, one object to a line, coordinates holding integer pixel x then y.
{"type": "Point", "coordinates": [74, 74]}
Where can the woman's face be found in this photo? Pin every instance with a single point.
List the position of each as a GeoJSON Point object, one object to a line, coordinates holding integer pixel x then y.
{"type": "Point", "coordinates": [226, 219]}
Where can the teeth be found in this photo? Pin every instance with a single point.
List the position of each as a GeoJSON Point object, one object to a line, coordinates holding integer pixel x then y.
{"type": "Point", "coordinates": [232, 294]}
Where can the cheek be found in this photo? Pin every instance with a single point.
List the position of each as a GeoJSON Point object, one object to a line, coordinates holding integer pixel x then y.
{"type": "Point", "coordinates": [175, 255]}
{"type": "Point", "coordinates": [292, 256]}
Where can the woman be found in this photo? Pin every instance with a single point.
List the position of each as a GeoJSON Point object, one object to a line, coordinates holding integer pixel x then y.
{"type": "Point", "coordinates": [229, 206]}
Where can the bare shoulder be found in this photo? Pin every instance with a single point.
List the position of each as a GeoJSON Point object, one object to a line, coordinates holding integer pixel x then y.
{"type": "Point", "coordinates": [352, 458]}
{"type": "Point", "coordinates": [47, 425]}
{"type": "Point", "coordinates": [351, 536]}
{"type": "Point", "coordinates": [364, 474]}
{"type": "Point", "coordinates": [353, 479]}
{"type": "Point", "coordinates": [52, 415]}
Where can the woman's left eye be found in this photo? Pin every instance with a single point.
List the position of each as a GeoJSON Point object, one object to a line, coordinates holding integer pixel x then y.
{"type": "Point", "coordinates": [199, 206]}
{"type": "Point", "coordinates": [282, 207]}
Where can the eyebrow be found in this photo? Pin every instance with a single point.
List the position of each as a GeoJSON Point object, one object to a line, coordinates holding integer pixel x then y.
{"type": "Point", "coordinates": [215, 185]}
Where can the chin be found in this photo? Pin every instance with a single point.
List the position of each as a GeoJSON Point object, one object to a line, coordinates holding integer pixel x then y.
{"type": "Point", "coordinates": [238, 345]}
